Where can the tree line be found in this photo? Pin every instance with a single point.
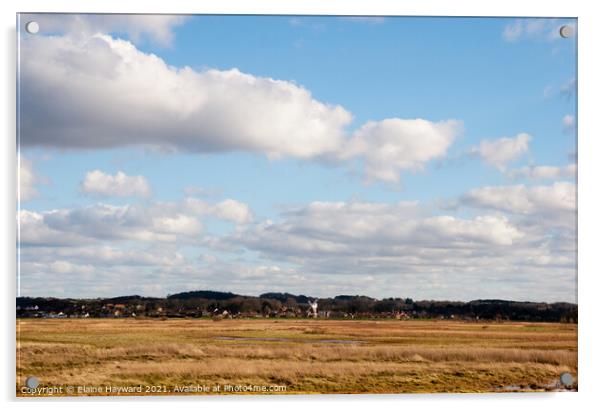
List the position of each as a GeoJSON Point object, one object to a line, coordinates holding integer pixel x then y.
{"type": "Point", "coordinates": [206, 303]}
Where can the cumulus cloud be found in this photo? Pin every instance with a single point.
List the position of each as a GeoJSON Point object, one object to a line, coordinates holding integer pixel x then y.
{"type": "Point", "coordinates": [543, 172]}
{"type": "Point", "coordinates": [138, 27]}
{"type": "Point", "coordinates": [391, 145]}
{"type": "Point", "coordinates": [500, 152]}
{"type": "Point", "coordinates": [98, 183]}
{"type": "Point", "coordinates": [114, 95]}
{"type": "Point", "coordinates": [27, 180]}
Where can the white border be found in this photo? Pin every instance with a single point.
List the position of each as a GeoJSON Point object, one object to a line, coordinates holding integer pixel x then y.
{"type": "Point", "coordinates": [590, 33]}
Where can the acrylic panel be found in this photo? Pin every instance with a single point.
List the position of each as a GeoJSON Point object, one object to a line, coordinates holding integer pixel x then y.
{"type": "Point", "coordinates": [221, 204]}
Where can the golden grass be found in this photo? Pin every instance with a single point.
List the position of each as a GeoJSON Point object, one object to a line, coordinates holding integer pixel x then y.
{"type": "Point", "coordinates": [378, 356]}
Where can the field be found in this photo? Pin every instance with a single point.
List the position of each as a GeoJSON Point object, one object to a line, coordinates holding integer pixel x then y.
{"type": "Point", "coordinates": [187, 356]}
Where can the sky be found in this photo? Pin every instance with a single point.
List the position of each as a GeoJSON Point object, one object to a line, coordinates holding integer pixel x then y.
{"type": "Point", "coordinates": [431, 158]}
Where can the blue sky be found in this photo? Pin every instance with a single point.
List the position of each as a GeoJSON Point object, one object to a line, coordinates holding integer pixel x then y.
{"type": "Point", "coordinates": [496, 78]}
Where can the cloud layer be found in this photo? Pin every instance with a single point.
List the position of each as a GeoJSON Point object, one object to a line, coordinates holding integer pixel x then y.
{"type": "Point", "coordinates": [155, 222]}
{"type": "Point", "coordinates": [402, 246]}
{"type": "Point", "coordinates": [320, 247]}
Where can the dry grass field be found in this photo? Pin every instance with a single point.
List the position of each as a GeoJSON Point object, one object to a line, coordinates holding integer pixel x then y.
{"type": "Point", "coordinates": [177, 356]}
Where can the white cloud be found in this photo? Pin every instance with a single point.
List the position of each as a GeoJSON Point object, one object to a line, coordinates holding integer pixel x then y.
{"type": "Point", "coordinates": [34, 231]}
{"type": "Point", "coordinates": [566, 90]}
{"type": "Point", "coordinates": [568, 122]}
{"type": "Point", "coordinates": [156, 27]}
{"type": "Point", "coordinates": [98, 183]}
{"type": "Point", "coordinates": [66, 267]}
{"type": "Point", "coordinates": [548, 91]}
{"type": "Point", "coordinates": [542, 172]}
{"type": "Point", "coordinates": [502, 151]}
{"type": "Point", "coordinates": [399, 247]}
{"type": "Point", "coordinates": [114, 95]}
{"type": "Point", "coordinates": [107, 222]}
{"type": "Point", "coordinates": [546, 29]}
{"type": "Point", "coordinates": [552, 204]}
{"type": "Point", "coordinates": [228, 209]}
{"type": "Point", "coordinates": [391, 145]}
{"type": "Point", "coordinates": [152, 222]}
{"type": "Point", "coordinates": [99, 254]}
{"type": "Point", "coordinates": [27, 180]}
{"type": "Point", "coordinates": [512, 32]}
{"type": "Point", "coordinates": [58, 270]}
{"type": "Point", "coordinates": [234, 211]}
{"type": "Point", "coordinates": [349, 230]}
{"type": "Point", "coordinates": [323, 247]}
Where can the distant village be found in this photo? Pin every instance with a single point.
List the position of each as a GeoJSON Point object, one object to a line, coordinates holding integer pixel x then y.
{"type": "Point", "coordinates": [225, 305]}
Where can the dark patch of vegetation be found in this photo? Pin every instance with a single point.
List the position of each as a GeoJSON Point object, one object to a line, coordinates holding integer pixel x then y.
{"type": "Point", "coordinates": [284, 297]}
{"type": "Point", "coordinates": [204, 294]}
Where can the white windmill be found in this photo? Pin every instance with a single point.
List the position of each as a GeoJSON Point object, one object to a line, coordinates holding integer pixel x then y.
{"type": "Point", "coordinates": [314, 308]}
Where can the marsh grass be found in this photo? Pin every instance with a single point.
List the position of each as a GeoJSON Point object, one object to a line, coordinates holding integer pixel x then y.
{"type": "Point", "coordinates": [395, 356]}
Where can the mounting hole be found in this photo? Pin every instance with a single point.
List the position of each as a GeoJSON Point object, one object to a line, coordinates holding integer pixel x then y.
{"type": "Point", "coordinates": [566, 31]}
{"type": "Point", "coordinates": [32, 382]}
{"type": "Point", "coordinates": [32, 27]}
{"type": "Point", "coordinates": [566, 379]}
